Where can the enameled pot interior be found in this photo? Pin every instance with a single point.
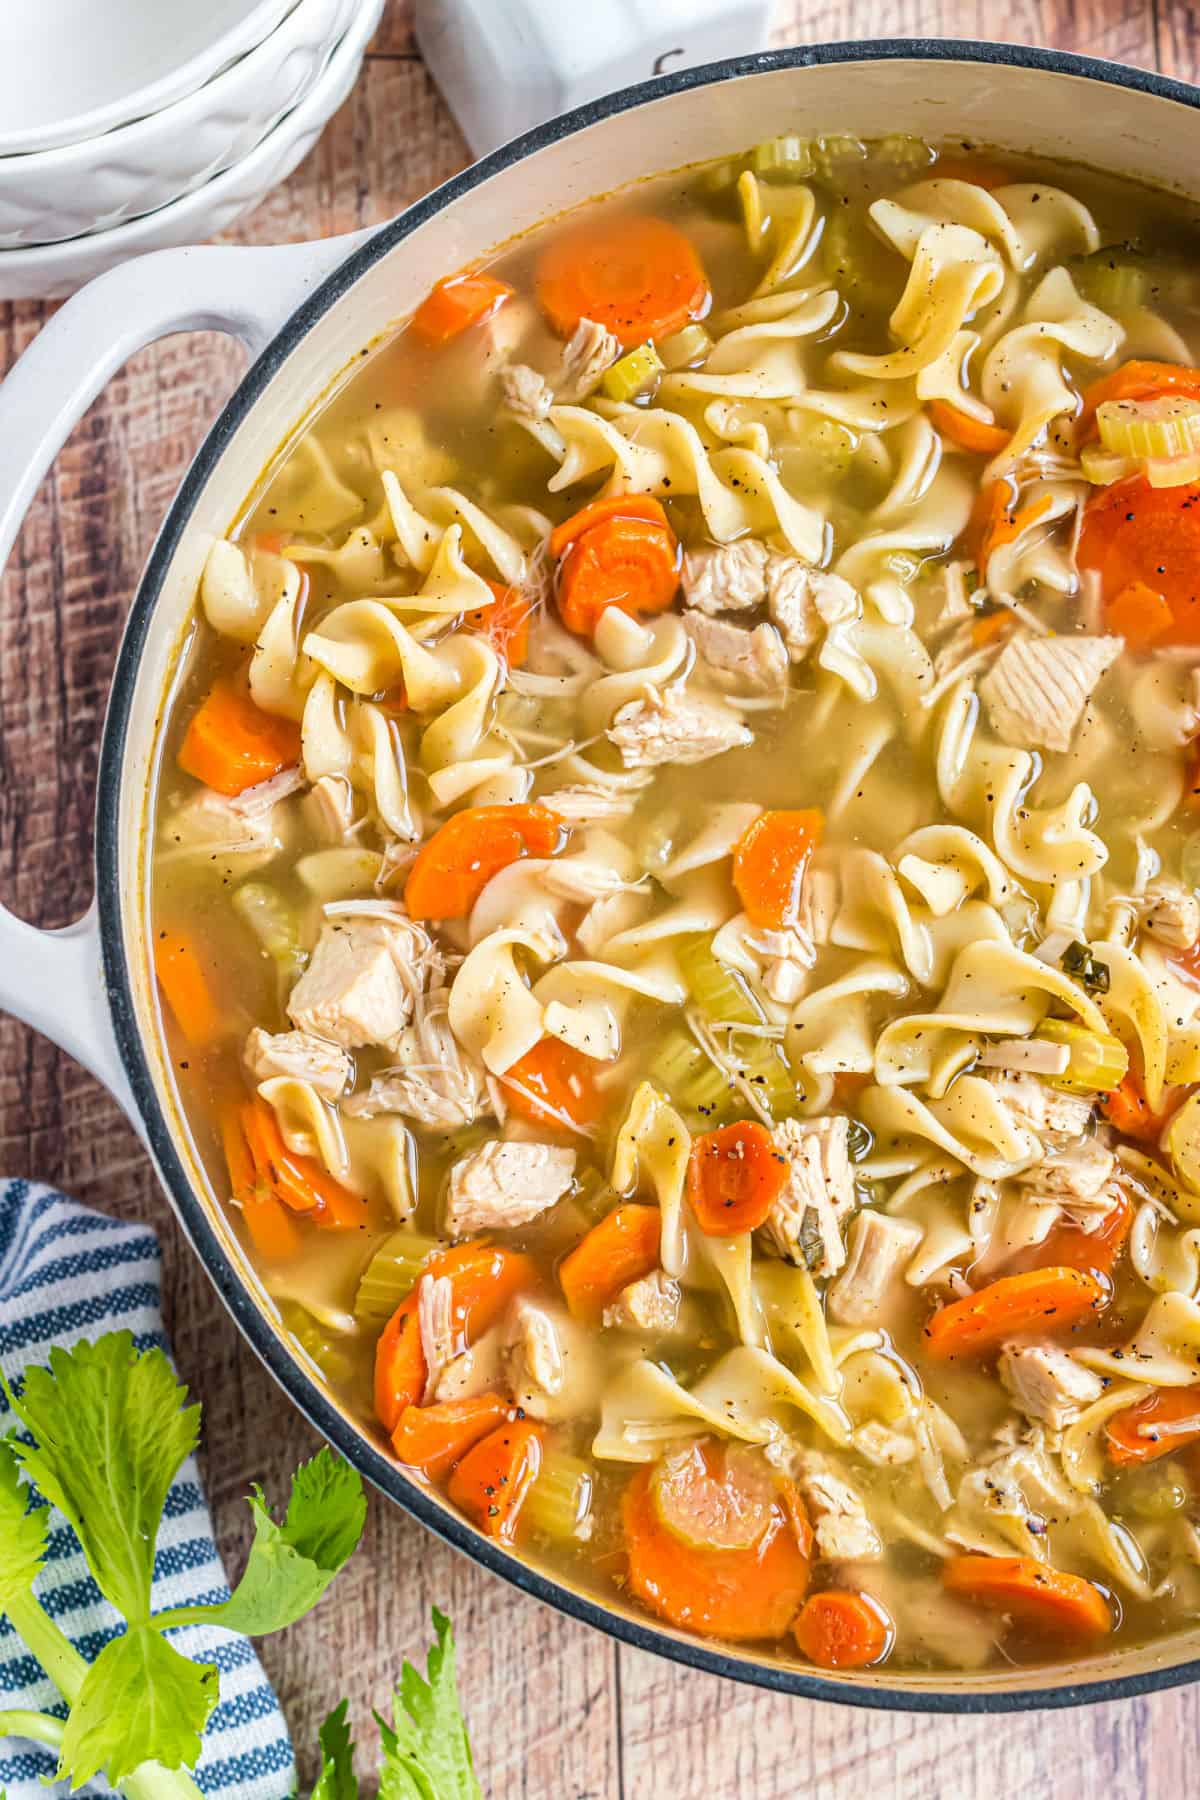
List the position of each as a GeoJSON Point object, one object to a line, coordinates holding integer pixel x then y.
{"type": "Point", "coordinates": [1062, 107]}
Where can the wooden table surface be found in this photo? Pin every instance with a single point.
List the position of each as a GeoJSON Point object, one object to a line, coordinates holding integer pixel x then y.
{"type": "Point", "coordinates": [557, 1712]}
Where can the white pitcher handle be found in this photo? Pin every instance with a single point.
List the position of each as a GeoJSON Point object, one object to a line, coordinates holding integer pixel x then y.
{"type": "Point", "coordinates": [54, 980]}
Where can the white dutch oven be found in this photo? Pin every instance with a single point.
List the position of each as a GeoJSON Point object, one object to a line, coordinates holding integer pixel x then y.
{"type": "Point", "coordinates": [304, 313]}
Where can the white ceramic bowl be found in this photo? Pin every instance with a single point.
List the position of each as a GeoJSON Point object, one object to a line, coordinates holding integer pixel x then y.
{"type": "Point", "coordinates": [50, 195]}
{"type": "Point", "coordinates": [70, 69]}
{"type": "Point", "coordinates": [47, 271]}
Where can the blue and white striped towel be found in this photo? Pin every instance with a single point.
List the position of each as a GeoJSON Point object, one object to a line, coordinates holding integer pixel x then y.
{"type": "Point", "coordinates": [67, 1273]}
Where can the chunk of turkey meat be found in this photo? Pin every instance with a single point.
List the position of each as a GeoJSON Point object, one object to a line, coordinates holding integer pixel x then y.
{"type": "Point", "coordinates": [804, 1224]}
{"type": "Point", "coordinates": [436, 1083]}
{"type": "Point", "coordinates": [879, 1247]}
{"type": "Point", "coordinates": [1076, 1174]}
{"type": "Point", "coordinates": [588, 354]}
{"type": "Point", "coordinates": [582, 804]}
{"type": "Point", "coordinates": [526, 393]}
{"type": "Point", "coordinates": [1170, 912]}
{"type": "Point", "coordinates": [726, 577]}
{"type": "Point", "coordinates": [440, 1339]}
{"type": "Point", "coordinates": [650, 1306]}
{"type": "Point", "coordinates": [325, 1066]}
{"type": "Point", "coordinates": [1053, 1115]}
{"type": "Point", "coordinates": [364, 979]}
{"type": "Point", "coordinates": [801, 598]}
{"type": "Point", "coordinates": [476, 1370]}
{"type": "Point", "coordinates": [1047, 1383]}
{"type": "Point", "coordinates": [1035, 692]}
{"type": "Point", "coordinates": [669, 726]}
{"type": "Point", "coordinates": [550, 1360]}
{"type": "Point", "coordinates": [741, 659]}
{"type": "Point", "coordinates": [843, 1531]}
{"type": "Point", "coordinates": [247, 828]}
{"type": "Point", "coordinates": [501, 1186]}
{"type": "Point", "coordinates": [1025, 1056]}
{"type": "Point", "coordinates": [330, 808]}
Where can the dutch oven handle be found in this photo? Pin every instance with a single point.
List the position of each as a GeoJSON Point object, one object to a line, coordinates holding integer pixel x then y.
{"type": "Point", "coordinates": [54, 980]}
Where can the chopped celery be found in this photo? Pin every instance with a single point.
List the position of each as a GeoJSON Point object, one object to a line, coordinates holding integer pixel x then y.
{"type": "Point", "coordinates": [635, 374]}
{"type": "Point", "coordinates": [391, 1275]}
{"type": "Point", "coordinates": [1102, 467]}
{"type": "Point", "coordinates": [1167, 425]}
{"type": "Point", "coordinates": [1098, 1063]}
{"type": "Point", "coordinates": [682, 1069]}
{"type": "Point", "coordinates": [1114, 279]}
{"type": "Point", "coordinates": [762, 1066]}
{"type": "Point", "coordinates": [868, 273]}
{"type": "Point", "coordinates": [910, 155]}
{"type": "Point", "coordinates": [273, 923]}
{"type": "Point", "coordinates": [332, 1352]}
{"type": "Point", "coordinates": [559, 1504]}
{"type": "Point", "coordinates": [593, 1194]}
{"type": "Point", "coordinates": [783, 159]}
{"type": "Point", "coordinates": [830, 153]}
{"type": "Point", "coordinates": [683, 348]}
{"type": "Point", "coordinates": [717, 989]}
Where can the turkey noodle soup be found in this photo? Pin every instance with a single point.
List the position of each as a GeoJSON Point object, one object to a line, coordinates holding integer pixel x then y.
{"type": "Point", "coordinates": [676, 900]}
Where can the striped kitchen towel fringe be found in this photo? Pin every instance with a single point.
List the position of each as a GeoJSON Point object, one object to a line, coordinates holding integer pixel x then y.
{"type": "Point", "coordinates": [67, 1273]}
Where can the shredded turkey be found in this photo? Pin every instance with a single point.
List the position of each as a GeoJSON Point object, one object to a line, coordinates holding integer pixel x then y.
{"type": "Point", "coordinates": [1035, 692]}
{"type": "Point", "coordinates": [582, 804]}
{"type": "Point", "coordinates": [818, 905]}
{"type": "Point", "coordinates": [500, 1186]}
{"type": "Point", "coordinates": [1076, 1174]}
{"type": "Point", "coordinates": [844, 1533]}
{"type": "Point", "coordinates": [668, 726]}
{"type": "Point", "coordinates": [1053, 1115]}
{"type": "Point", "coordinates": [785, 958]}
{"type": "Point", "coordinates": [435, 1321]}
{"type": "Point", "coordinates": [364, 979]}
{"type": "Point", "coordinates": [650, 1306]}
{"type": "Point", "coordinates": [436, 1082]}
{"type": "Point", "coordinates": [526, 393]}
{"type": "Point", "coordinates": [588, 354]}
{"type": "Point", "coordinates": [325, 1066]}
{"type": "Point", "coordinates": [800, 598]}
{"type": "Point", "coordinates": [1047, 1383]}
{"type": "Point", "coordinates": [247, 826]}
{"type": "Point", "coordinates": [1170, 912]}
{"type": "Point", "coordinates": [955, 595]}
{"type": "Point", "coordinates": [476, 1370]}
{"type": "Point", "coordinates": [740, 658]}
{"type": "Point", "coordinates": [879, 1247]}
{"type": "Point", "coordinates": [1025, 1056]}
{"type": "Point", "coordinates": [330, 808]}
{"type": "Point", "coordinates": [552, 1368]}
{"type": "Point", "coordinates": [726, 577]}
{"type": "Point", "coordinates": [805, 1223]}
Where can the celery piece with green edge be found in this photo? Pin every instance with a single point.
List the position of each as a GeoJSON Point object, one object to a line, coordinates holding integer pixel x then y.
{"type": "Point", "coordinates": [787, 158]}
{"type": "Point", "coordinates": [273, 922]}
{"type": "Point", "coordinates": [391, 1275]}
{"type": "Point", "coordinates": [717, 989]}
{"type": "Point", "coordinates": [109, 1428]}
{"type": "Point", "coordinates": [560, 1501]}
{"type": "Point", "coordinates": [691, 1080]}
{"type": "Point", "coordinates": [426, 1750]}
{"type": "Point", "coordinates": [635, 375]}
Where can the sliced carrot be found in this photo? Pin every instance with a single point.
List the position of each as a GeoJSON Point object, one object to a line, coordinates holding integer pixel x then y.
{"type": "Point", "coordinates": [456, 303]}
{"type": "Point", "coordinates": [434, 1438]}
{"type": "Point", "coordinates": [1136, 380]}
{"type": "Point", "coordinates": [554, 1085]}
{"type": "Point", "coordinates": [1048, 1299]}
{"type": "Point", "coordinates": [272, 1230]}
{"type": "Point", "coordinates": [1033, 1596]}
{"type": "Point", "coordinates": [622, 1248]}
{"type": "Point", "coordinates": [301, 1182]}
{"type": "Point", "coordinates": [1070, 1247]}
{"type": "Point", "coordinates": [966, 431]}
{"type": "Point", "coordinates": [1154, 1426]}
{"type": "Point", "coordinates": [461, 857]}
{"type": "Point", "coordinates": [1128, 1109]}
{"type": "Point", "coordinates": [231, 744]}
{"type": "Point", "coordinates": [769, 862]}
{"type": "Point", "coordinates": [981, 171]}
{"type": "Point", "coordinates": [493, 1480]}
{"type": "Point", "coordinates": [1135, 535]}
{"type": "Point", "coordinates": [842, 1629]}
{"type": "Point", "coordinates": [1139, 615]}
{"type": "Point", "coordinates": [734, 1177]}
{"type": "Point", "coordinates": [637, 276]}
{"type": "Point", "coordinates": [598, 512]}
{"type": "Point", "coordinates": [997, 519]}
{"type": "Point", "coordinates": [185, 987]}
{"type": "Point", "coordinates": [483, 1280]}
{"type": "Point", "coordinates": [625, 562]}
{"type": "Point", "coordinates": [992, 626]}
{"type": "Point", "coordinates": [505, 624]}
{"type": "Point", "coordinates": [743, 1593]}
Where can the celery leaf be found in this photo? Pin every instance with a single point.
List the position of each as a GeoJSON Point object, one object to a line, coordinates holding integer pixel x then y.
{"type": "Point", "coordinates": [426, 1750]}
{"type": "Point", "coordinates": [336, 1780]}
{"type": "Point", "coordinates": [141, 1701]}
{"type": "Point", "coordinates": [22, 1533]}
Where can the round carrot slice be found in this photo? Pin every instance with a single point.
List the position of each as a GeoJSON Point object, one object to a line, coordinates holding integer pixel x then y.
{"type": "Point", "coordinates": [1137, 534]}
{"type": "Point", "coordinates": [625, 562]}
{"type": "Point", "coordinates": [554, 1085]}
{"type": "Point", "coordinates": [637, 276]}
{"type": "Point", "coordinates": [769, 862]}
{"type": "Point", "coordinates": [1137, 380]}
{"type": "Point", "coordinates": [1041, 1599]}
{"type": "Point", "coordinates": [843, 1629]}
{"type": "Point", "coordinates": [1050, 1300]}
{"type": "Point", "coordinates": [739, 1593]}
{"type": "Point", "coordinates": [734, 1177]}
{"type": "Point", "coordinates": [461, 857]}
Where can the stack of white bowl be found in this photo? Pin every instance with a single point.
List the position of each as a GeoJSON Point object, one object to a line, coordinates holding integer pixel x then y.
{"type": "Point", "coordinates": [134, 125]}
